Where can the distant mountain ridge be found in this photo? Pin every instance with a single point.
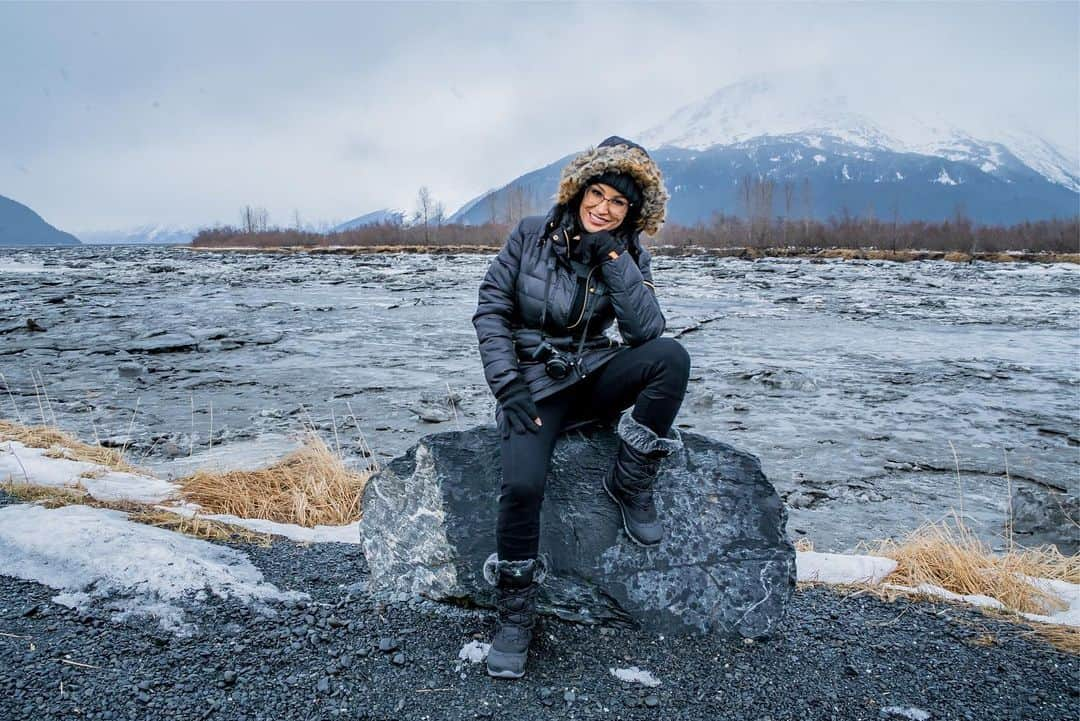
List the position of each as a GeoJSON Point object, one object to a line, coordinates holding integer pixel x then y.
{"type": "Point", "coordinates": [376, 217]}
{"type": "Point", "coordinates": [824, 158]}
{"type": "Point", "coordinates": [21, 226]}
{"type": "Point", "coordinates": [140, 235]}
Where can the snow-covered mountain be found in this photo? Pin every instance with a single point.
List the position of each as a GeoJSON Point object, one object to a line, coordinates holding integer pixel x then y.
{"type": "Point", "coordinates": [384, 216]}
{"type": "Point", "coordinates": [140, 235]}
{"type": "Point", "coordinates": [830, 155]}
{"type": "Point", "coordinates": [813, 106]}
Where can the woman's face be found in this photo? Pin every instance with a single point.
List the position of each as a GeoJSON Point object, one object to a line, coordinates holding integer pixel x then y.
{"type": "Point", "coordinates": [602, 208]}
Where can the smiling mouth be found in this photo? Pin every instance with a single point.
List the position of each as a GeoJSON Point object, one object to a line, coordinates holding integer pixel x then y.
{"type": "Point", "coordinates": [596, 220]}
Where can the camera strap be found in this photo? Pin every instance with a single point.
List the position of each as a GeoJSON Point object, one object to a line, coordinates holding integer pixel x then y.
{"type": "Point", "coordinates": [584, 332]}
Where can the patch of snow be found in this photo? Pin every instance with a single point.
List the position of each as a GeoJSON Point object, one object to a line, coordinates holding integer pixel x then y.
{"type": "Point", "coordinates": [635, 675]}
{"type": "Point", "coordinates": [98, 555]}
{"type": "Point", "coordinates": [774, 159]}
{"type": "Point", "coordinates": [928, 589]}
{"type": "Point", "coordinates": [474, 652]}
{"type": "Point", "coordinates": [21, 464]}
{"type": "Point", "coordinates": [845, 173]}
{"type": "Point", "coordinates": [905, 712]}
{"type": "Point", "coordinates": [348, 533]}
{"type": "Point", "coordinates": [1068, 593]}
{"type": "Point", "coordinates": [987, 167]}
{"type": "Point", "coordinates": [819, 159]}
{"type": "Point", "coordinates": [842, 568]}
{"type": "Point", "coordinates": [899, 175]}
{"type": "Point", "coordinates": [944, 178]}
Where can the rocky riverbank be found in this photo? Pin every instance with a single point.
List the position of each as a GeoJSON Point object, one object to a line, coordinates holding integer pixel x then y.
{"type": "Point", "coordinates": [343, 653]}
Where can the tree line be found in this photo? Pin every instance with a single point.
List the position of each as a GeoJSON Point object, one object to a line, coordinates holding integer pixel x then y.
{"type": "Point", "coordinates": [755, 226]}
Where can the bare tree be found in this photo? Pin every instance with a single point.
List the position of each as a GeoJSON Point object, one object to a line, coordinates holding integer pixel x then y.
{"type": "Point", "coordinates": [517, 203]}
{"type": "Point", "coordinates": [744, 195]}
{"type": "Point", "coordinates": [425, 208]}
{"type": "Point", "coordinates": [254, 220]}
{"type": "Point", "coordinates": [789, 191]}
{"type": "Point", "coordinates": [763, 201]}
{"type": "Point", "coordinates": [895, 220]}
{"type": "Point", "coordinates": [808, 209]}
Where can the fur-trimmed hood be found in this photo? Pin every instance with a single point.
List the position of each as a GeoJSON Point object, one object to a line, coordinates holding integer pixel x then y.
{"type": "Point", "coordinates": [623, 157]}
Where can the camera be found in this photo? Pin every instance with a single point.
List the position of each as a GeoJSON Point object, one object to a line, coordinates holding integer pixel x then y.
{"type": "Point", "coordinates": [557, 365]}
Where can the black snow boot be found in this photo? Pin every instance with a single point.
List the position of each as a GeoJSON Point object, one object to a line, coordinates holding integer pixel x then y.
{"type": "Point", "coordinates": [630, 481]}
{"type": "Point", "coordinates": [517, 583]}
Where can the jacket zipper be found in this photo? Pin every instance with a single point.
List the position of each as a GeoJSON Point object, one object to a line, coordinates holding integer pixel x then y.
{"type": "Point", "coordinates": [585, 302]}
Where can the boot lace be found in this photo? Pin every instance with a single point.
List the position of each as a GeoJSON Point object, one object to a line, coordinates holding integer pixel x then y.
{"type": "Point", "coordinates": [517, 606]}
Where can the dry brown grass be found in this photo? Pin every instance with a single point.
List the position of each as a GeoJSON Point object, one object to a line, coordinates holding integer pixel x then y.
{"type": "Point", "coordinates": [199, 527]}
{"type": "Point", "coordinates": [1066, 638]}
{"type": "Point", "coordinates": [949, 555]}
{"type": "Point", "coordinates": [957, 257]}
{"type": "Point", "coordinates": [204, 528]}
{"type": "Point", "coordinates": [309, 487]}
{"type": "Point", "coordinates": [63, 445]}
{"type": "Point", "coordinates": [48, 496]}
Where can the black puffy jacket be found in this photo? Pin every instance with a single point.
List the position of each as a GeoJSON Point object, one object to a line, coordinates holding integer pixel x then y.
{"type": "Point", "coordinates": [511, 304]}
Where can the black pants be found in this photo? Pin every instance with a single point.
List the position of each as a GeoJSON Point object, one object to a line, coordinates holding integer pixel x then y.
{"type": "Point", "coordinates": [652, 377]}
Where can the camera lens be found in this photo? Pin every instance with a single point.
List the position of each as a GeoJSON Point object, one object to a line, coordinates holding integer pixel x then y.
{"type": "Point", "coordinates": [557, 368]}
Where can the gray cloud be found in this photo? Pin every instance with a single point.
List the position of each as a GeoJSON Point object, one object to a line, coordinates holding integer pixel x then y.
{"type": "Point", "coordinates": [182, 113]}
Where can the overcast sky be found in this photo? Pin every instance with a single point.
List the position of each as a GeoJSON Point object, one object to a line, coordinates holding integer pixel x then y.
{"type": "Point", "coordinates": [117, 115]}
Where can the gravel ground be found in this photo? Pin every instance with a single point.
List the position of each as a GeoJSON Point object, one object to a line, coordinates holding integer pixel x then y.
{"type": "Point", "coordinates": [346, 655]}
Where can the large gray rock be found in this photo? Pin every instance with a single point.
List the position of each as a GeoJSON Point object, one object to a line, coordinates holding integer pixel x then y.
{"type": "Point", "coordinates": [725, 565]}
{"type": "Point", "coordinates": [1046, 517]}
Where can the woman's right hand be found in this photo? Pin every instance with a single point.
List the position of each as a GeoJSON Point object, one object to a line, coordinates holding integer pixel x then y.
{"type": "Point", "coordinates": [519, 413]}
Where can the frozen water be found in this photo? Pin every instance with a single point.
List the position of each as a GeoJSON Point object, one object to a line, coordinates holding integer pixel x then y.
{"type": "Point", "coordinates": [847, 379]}
{"type": "Point", "coordinates": [94, 555]}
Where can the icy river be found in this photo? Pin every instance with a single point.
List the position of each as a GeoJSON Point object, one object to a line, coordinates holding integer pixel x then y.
{"type": "Point", "coordinates": [877, 395]}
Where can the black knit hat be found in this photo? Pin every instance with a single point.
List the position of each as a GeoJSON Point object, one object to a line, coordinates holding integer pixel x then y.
{"type": "Point", "coordinates": [622, 182]}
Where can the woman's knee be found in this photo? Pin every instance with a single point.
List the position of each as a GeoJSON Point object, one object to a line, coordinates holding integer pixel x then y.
{"type": "Point", "coordinates": [671, 354]}
{"type": "Point", "coordinates": [522, 489]}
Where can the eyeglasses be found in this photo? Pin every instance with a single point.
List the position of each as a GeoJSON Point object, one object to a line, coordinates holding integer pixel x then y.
{"type": "Point", "coordinates": [618, 205]}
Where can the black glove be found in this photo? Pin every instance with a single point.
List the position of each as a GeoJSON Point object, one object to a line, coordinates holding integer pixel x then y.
{"type": "Point", "coordinates": [595, 247]}
{"type": "Point", "coordinates": [518, 410]}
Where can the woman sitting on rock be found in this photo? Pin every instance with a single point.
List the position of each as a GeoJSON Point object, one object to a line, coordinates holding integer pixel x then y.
{"type": "Point", "coordinates": [545, 303]}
